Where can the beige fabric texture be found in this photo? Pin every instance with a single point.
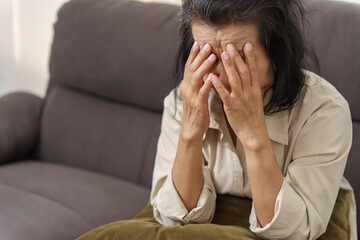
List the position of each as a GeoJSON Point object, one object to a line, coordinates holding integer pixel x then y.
{"type": "Point", "coordinates": [311, 143]}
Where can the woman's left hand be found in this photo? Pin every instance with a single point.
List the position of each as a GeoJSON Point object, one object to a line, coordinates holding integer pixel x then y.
{"type": "Point", "coordinates": [243, 106]}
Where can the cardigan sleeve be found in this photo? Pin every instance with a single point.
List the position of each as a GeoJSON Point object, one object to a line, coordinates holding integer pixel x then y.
{"type": "Point", "coordinates": [308, 194]}
{"type": "Point", "coordinates": [168, 208]}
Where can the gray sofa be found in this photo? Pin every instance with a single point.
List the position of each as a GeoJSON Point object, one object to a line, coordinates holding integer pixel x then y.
{"type": "Point", "coordinates": [83, 155]}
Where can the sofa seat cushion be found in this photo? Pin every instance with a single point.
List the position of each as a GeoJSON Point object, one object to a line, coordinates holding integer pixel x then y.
{"type": "Point", "coordinates": [42, 200]}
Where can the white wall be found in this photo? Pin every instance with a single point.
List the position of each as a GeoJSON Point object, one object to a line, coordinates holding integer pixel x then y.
{"type": "Point", "coordinates": [27, 31]}
{"type": "Point", "coordinates": [25, 45]}
{"type": "Point", "coordinates": [7, 58]}
{"type": "Point", "coordinates": [35, 24]}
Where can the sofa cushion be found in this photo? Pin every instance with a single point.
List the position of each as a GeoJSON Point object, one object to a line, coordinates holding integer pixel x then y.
{"type": "Point", "coordinates": [123, 50]}
{"type": "Point", "coordinates": [82, 130]}
{"type": "Point", "coordinates": [50, 201]}
{"type": "Point", "coordinates": [24, 215]}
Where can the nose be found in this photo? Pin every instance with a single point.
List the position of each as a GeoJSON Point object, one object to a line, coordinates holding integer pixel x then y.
{"type": "Point", "coordinates": [219, 70]}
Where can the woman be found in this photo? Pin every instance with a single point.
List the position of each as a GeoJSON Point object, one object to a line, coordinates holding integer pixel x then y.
{"type": "Point", "coordinates": [246, 118]}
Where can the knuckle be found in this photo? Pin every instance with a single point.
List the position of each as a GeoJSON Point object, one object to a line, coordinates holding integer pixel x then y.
{"type": "Point", "coordinates": [226, 98]}
{"type": "Point", "coordinates": [186, 94]}
{"type": "Point", "coordinates": [200, 72]}
{"type": "Point", "coordinates": [252, 68]}
{"type": "Point", "coordinates": [202, 92]}
{"type": "Point", "coordinates": [182, 88]}
{"type": "Point", "coordinates": [187, 64]}
{"type": "Point", "coordinates": [236, 83]}
{"type": "Point", "coordinates": [195, 76]}
{"type": "Point", "coordinates": [198, 107]}
{"type": "Point", "coordinates": [245, 97]}
{"type": "Point", "coordinates": [191, 68]}
{"type": "Point", "coordinates": [193, 103]}
{"type": "Point", "coordinates": [205, 66]}
{"type": "Point", "coordinates": [257, 91]}
{"type": "Point", "coordinates": [243, 70]}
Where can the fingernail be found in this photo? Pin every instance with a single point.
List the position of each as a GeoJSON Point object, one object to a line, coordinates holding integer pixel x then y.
{"type": "Point", "coordinates": [207, 46]}
{"type": "Point", "coordinates": [211, 57]}
{"type": "Point", "coordinates": [230, 47]}
{"type": "Point", "coordinates": [226, 55]}
{"type": "Point", "coordinates": [248, 46]}
{"type": "Point", "coordinates": [195, 45]}
{"type": "Point", "coordinates": [214, 78]}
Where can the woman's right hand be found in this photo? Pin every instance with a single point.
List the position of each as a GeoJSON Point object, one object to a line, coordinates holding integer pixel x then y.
{"type": "Point", "coordinates": [194, 93]}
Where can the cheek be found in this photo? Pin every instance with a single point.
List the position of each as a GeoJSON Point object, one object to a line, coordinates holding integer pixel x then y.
{"type": "Point", "coordinates": [266, 75]}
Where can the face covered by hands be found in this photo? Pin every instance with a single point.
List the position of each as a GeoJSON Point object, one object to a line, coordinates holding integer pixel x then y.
{"type": "Point", "coordinates": [240, 77]}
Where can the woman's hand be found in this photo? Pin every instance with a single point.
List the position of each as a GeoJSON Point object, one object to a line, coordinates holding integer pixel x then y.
{"type": "Point", "coordinates": [243, 106]}
{"type": "Point", "coordinates": [194, 93]}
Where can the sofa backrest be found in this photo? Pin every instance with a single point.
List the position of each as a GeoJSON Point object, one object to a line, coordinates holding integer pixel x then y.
{"type": "Point", "coordinates": [110, 68]}
{"type": "Point", "coordinates": [104, 100]}
{"type": "Point", "coordinates": [335, 34]}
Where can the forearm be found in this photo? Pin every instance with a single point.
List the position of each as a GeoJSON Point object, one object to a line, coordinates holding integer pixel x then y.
{"type": "Point", "coordinates": [265, 178]}
{"type": "Point", "coordinates": [187, 170]}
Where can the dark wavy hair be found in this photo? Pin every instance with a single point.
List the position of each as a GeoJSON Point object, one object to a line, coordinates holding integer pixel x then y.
{"type": "Point", "coordinates": [281, 25]}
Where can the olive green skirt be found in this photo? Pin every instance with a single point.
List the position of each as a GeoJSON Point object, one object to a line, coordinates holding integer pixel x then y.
{"type": "Point", "coordinates": [231, 221]}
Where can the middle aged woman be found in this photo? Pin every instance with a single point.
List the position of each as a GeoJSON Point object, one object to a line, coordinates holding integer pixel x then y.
{"type": "Point", "coordinates": [251, 121]}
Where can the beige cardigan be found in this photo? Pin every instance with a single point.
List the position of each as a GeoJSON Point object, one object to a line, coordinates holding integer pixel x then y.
{"type": "Point", "coordinates": [311, 143]}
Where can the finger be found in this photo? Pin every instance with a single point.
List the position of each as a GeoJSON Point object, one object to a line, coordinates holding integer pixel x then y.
{"type": "Point", "coordinates": [193, 53]}
{"type": "Point", "coordinates": [240, 66]}
{"type": "Point", "coordinates": [234, 78]}
{"type": "Point", "coordinates": [205, 89]}
{"type": "Point", "coordinates": [223, 92]}
{"type": "Point", "coordinates": [203, 69]}
{"type": "Point", "coordinates": [251, 63]}
{"type": "Point", "coordinates": [201, 57]}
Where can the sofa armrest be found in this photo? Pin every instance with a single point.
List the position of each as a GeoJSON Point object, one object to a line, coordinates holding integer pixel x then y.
{"type": "Point", "coordinates": [20, 114]}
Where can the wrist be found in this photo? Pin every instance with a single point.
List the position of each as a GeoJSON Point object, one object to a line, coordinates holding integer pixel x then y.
{"type": "Point", "coordinates": [261, 157]}
{"type": "Point", "coordinates": [256, 144]}
{"type": "Point", "coordinates": [189, 136]}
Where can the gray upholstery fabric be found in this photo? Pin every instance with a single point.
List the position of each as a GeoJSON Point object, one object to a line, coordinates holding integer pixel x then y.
{"type": "Point", "coordinates": [87, 131]}
{"type": "Point", "coordinates": [27, 216]}
{"type": "Point", "coordinates": [19, 125]}
{"type": "Point", "coordinates": [336, 36]}
{"type": "Point", "coordinates": [116, 49]}
{"type": "Point", "coordinates": [111, 67]}
{"type": "Point", "coordinates": [52, 201]}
